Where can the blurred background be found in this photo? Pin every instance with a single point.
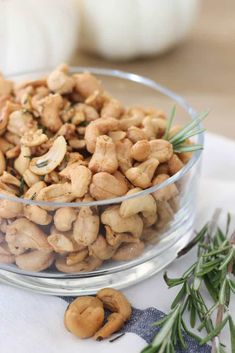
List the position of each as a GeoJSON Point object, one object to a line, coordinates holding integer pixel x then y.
{"type": "Point", "coordinates": [186, 45]}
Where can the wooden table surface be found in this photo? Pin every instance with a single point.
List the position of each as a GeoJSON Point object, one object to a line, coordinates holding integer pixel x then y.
{"type": "Point", "coordinates": [202, 68]}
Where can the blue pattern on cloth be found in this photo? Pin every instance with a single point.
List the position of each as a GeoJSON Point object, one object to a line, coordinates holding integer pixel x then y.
{"type": "Point", "coordinates": [140, 324]}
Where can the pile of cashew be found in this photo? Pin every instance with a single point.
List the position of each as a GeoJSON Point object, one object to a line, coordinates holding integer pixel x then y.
{"type": "Point", "coordinates": [63, 138]}
{"type": "Point", "coordinates": [84, 317]}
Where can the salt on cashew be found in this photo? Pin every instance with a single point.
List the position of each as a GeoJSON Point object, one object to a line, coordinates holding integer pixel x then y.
{"type": "Point", "coordinates": [129, 251]}
{"type": "Point", "coordinates": [59, 82]}
{"type": "Point", "coordinates": [166, 193]}
{"type": "Point", "coordinates": [174, 164]}
{"type": "Point", "coordinates": [112, 108]}
{"type": "Point", "coordinates": [23, 234]}
{"type": "Point", "coordinates": [49, 110]}
{"type": "Point", "coordinates": [86, 84]}
{"type": "Point", "coordinates": [84, 316]}
{"type": "Point", "coordinates": [86, 226]}
{"type": "Point", "coordinates": [144, 204]}
{"type": "Point", "coordinates": [115, 301]}
{"type": "Point", "coordinates": [104, 158]}
{"type": "Point", "coordinates": [99, 127]}
{"type": "Point", "coordinates": [133, 224]}
{"type": "Point", "coordinates": [140, 151]}
{"type": "Point", "coordinates": [114, 323]}
{"type": "Point", "coordinates": [142, 174]}
{"type": "Point", "coordinates": [36, 260]}
{"type": "Point", "coordinates": [101, 249]}
{"type": "Point", "coordinates": [89, 264]}
{"type": "Point", "coordinates": [106, 186]}
{"type": "Point", "coordinates": [64, 218]}
{"type": "Point", "coordinates": [37, 215]}
{"type": "Point", "coordinates": [80, 177]}
{"type": "Point", "coordinates": [33, 138]}
{"type": "Point", "coordinates": [45, 164]}
{"type": "Point", "coordinates": [123, 153]}
{"type": "Point", "coordinates": [21, 164]}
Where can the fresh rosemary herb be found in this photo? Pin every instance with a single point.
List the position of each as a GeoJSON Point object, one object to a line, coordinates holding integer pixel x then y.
{"type": "Point", "coordinates": [29, 157]}
{"type": "Point", "coordinates": [179, 140]}
{"type": "Point", "coordinates": [213, 268]}
{"type": "Point", "coordinates": [84, 123]}
{"type": "Point", "coordinates": [21, 187]}
{"type": "Point", "coordinates": [33, 196]}
{"type": "Point", "coordinates": [42, 164]}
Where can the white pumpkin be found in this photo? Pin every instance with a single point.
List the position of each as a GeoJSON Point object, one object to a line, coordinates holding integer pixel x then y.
{"type": "Point", "coordinates": [126, 29]}
{"type": "Point", "coordinates": [35, 34]}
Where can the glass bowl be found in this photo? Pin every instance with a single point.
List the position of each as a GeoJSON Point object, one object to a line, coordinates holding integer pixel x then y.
{"type": "Point", "coordinates": [162, 241]}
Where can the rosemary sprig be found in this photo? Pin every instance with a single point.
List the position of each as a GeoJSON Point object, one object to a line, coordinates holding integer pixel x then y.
{"type": "Point", "coordinates": [213, 268]}
{"type": "Point", "coordinates": [179, 140]}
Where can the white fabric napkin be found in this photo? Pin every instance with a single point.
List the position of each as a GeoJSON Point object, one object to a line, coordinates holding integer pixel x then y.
{"type": "Point", "coordinates": [34, 323]}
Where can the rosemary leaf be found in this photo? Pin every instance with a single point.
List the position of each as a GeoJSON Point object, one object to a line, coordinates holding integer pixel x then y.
{"type": "Point", "coordinates": [187, 148]}
{"type": "Point", "coordinates": [214, 332]}
{"type": "Point", "coordinates": [169, 123]}
{"type": "Point", "coordinates": [227, 259]}
{"type": "Point", "coordinates": [232, 333]}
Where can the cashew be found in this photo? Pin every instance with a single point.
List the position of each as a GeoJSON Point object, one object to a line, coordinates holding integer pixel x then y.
{"type": "Point", "coordinates": [150, 220]}
{"type": "Point", "coordinates": [6, 86]}
{"type": "Point", "coordinates": [49, 110]}
{"type": "Point", "coordinates": [84, 316]}
{"type": "Point", "coordinates": [21, 163]}
{"type": "Point", "coordinates": [140, 150]}
{"type": "Point", "coordinates": [56, 193]}
{"type": "Point", "coordinates": [175, 164]}
{"type": "Point", "coordinates": [142, 174]}
{"type": "Point", "coordinates": [112, 108]}
{"type": "Point", "coordinates": [117, 135]}
{"type": "Point", "coordinates": [77, 144]}
{"type": "Point", "coordinates": [129, 251]}
{"type": "Point", "coordinates": [12, 138]}
{"type": "Point", "coordinates": [161, 150]}
{"type": "Point", "coordinates": [5, 254]}
{"type": "Point", "coordinates": [75, 257]}
{"type": "Point", "coordinates": [104, 158]}
{"type": "Point", "coordinates": [101, 249]}
{"type": "Point", "coordinates": [2, 163]}
{"type": "Point", "coordinates": [115, 323]}
{"type": "Point", "coordinates": [126, 123]}
{"type": "Point", "coordinates": [59, 82]}
{"type": "Point", "coordinates": [86, 84]}
{"type": "Point", "coordinates": [153, 127]}
{"type": "Point", "coordinates": [89, 264]}
{"type": "Point", "coordinates": [36, 260]}
{"type": "Point", "coordinates": [13, 152]}
{"type": "Point", "coordinates": [115, 301]}
{"type": "Point", "coordinates": [86, 226]}
{"type": "Point", "coordinates": [4, 117]}
{"type": "Point", "coordinates": [9, 179]}
{"type": "Point", "coordinates": [163, 168]}
{"type": "Point", "coordinates": [97, 128]}
{"type": "Point", "coordinates": [37, 215]}
{"type": "Point", "coordinates": [45, 164]}
{"type": "Point", "coordinates": [115, 239]}
{"type": "Point", "coordinates": [5, 145]}
{"type": "Point", "coordinates": [133, 224]}
{"type": "Point", "coordinates": [150, 236]}
{"type": "Point", "coordinates": [106, 186]}
{"type": "Point", "coordinates": [145, 204]}
{"type": "Point", "coordinates": [123, 153]}
{"type": "Point", "coordinates": [33, 191]}
{"type": "Point", "coordinates": [30, 178]}
{"type": "Point", "coordinates": [165, 214]}
{"type": "Point", "coordinates": [22, 235]}
{"type": "Point", "coordinates": [10, 209]}
{"type": "Point", "coordinates": [88, 112]}
{"type": "Point", "coordinates": [80, 177]}
{"type": "Point", "coordinates": [174, 203]}
{"type": "Point", "coordinates": [20, 123]}
{"type": "Point", "coordinates": [33, 138]}
{"type": "Point", "coordinates": [60, 243]}
{"type": "Point", "coordinates": [97, 100]}
{"type": "Point", "coordinates": [11, 189]}
{"type": "Point", "coordinates": [166, 193]}
{"type": "Point", "coordinates": [136, 134]}
{"type": "Point", "coordinates": [64, 218]}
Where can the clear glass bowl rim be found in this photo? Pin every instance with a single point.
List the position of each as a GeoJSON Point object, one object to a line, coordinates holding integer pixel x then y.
{"type": "Point", "coordinates": [142, 81]}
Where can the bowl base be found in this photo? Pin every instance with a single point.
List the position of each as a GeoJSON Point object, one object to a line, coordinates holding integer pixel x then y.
{"type": "Point", "coordinates": [90, 285]}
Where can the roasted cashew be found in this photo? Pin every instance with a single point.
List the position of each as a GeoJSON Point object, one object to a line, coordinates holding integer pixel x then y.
{"type": "Point", "coordinates": [75, 257]}
{"type": "Point", "coordinates": [117, 135]}
{"type": "Point", "coordinates": [80, 177]}
{"type": "Point", "coordinates": [56, 193]}
{"type": "Point", "coordinates": [112, 108]}
{"type": "Point", "coordinates": [140, 151]}
{"type": "Point", "coordinates": [86, 84]}
{"type": "Point", "coordinates": [115, 301]}
{"type": "Point", "coordinates": [161, 150]}
{"type": "Point", "coordinates": [142, 174]}
{"type": "Point", "coordinates": [64, 218]}
{"type": "Point", "coordinates": [89, 264]}
{"type": "Point", "coordinates": [114, 323]}
{"type": "Point", "coordinates": [174, 164]}
{"type": "Point", "coordinates": [5, 145]}
{"type": "Point", "coordinates": [5, 255]}
{"type": "Point", "coordinates": [145, 204]}
{"type": "Point", "coordinates": [33, 191]}
{"type": "Point", "coordinates": [60, 243]}
{"type": "Point", "coordinates": [36, 260]}
{"type": "Point", "coordinates": [106, 186]}
{"type": "Point", "coordinates": [45, 164]}
{"type": "Point", "coordinates": [59, 82]}
{"type": "Point", "coordinates": [33, 138]}
{"type": "Point", "coordinates": [13, 152]}
{"type": "Point", "coordinates": [101, 249]}
{"type": "Point", "coordinates": [2, 163]}
{"type": "Point", "coordinates": [99, 127]}
{"type": "Point", "coordinates": [37, 215]}
{"type": "Point", "coordinates": [84, 316]}
{"type": "Point", "coordinates": [6, 86]}
{"type": "Point", "coordinates": [21, 164]}
{"type": "Point", "coordinates": [136, 134]}
{"type": "Point", "coordinates": [166, 193]}
{"type": "Point", "coordinates": [89, 113]}
{"type": "Point", "coordinates": [12, 138]}
{"type": "Point", "coordinates": [97, 100]}
{"type": "Point", "coordinates": [86, 226]}
{"type": "Point", "coordinates": [20, 123]}
{"type": "Point", "coordinates": [30, 178]}
{"type": "Point", "coordinates": [9, 179]}
{"type": "Point", "coordinates": [129, 251]}
{"type": "Point", "coordinates": [126, 123]}
{"type": "Point", "coordinates": [153, 127]}
{"type": "Point", "coordinates": [49, 110]}
{"type": "Point", "coordinates": [10, 209]}
{"type": "Point", "coordinates": [165, 214]}
{"type": "Point", "coordinates": [104, 158]}
{"type": "Point", "coordinates": [133, 224]}
{"type": "Point", "coordinates": [115, 239]}
{"type": "Point", "coordinates": [150, 220]}
{"type": "Point", "coordinates": [23, 234]}
{"type": "Point", "coordinates": [123, 149]}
